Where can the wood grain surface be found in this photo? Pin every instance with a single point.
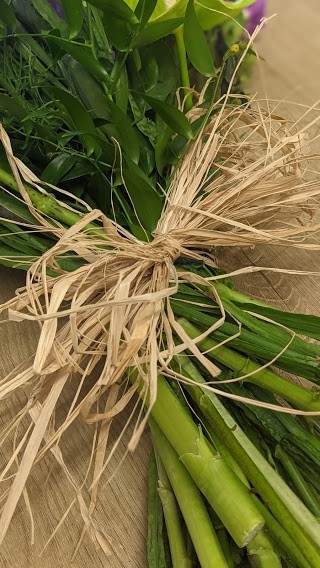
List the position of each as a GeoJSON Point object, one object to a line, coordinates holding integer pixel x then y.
{"type": "Point", "coordinates": [290, 47]}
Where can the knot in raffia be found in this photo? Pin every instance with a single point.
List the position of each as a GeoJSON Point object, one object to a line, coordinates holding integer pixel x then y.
{"type": "Point", "coordinates": [164, 248]}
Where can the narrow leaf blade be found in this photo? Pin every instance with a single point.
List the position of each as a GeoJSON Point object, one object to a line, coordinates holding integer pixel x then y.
{"type": "Point", "coordinates": [144, 10]}
{"type": "Point", "coordinates": [117, 8]}
{"type": "Point", "coordinates": [7, 15]}
{"type": "Point", "coordinates": [81, 120]}
{"type": "Point", "coordinates": [196, 44]}
{"type": "Point", "coordinates": [73, 12]}
{"type": "Point", "coordinates": [156, 30]}
{"type": "Point", "coordinates": [171, 116]}
{"type": "Point", "coordinates": [83, 54]}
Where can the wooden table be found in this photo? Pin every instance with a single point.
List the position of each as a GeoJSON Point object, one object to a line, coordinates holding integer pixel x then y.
{"type": "Point", "coordinates": [290, 47]}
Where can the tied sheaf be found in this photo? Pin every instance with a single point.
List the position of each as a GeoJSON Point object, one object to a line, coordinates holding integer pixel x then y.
{"type": "Point", "coordinates": [124, 321]}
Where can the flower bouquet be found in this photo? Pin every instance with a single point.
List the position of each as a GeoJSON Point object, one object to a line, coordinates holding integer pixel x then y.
{"type": "Point", "coordinates": [130, 153]}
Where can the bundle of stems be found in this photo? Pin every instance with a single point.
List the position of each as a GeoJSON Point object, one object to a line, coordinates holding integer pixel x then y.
{"type": "Point", "coordinates": [132, 289]}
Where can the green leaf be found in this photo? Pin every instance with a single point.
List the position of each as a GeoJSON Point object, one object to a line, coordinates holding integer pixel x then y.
{"type": "Point", "coordinates": [155, 31]}
{"type": "Point", "coordinates": [211, 13]}
{"type": "Point", "coordinates": [99, 190]}
{"type": "Point", "coordinates": [146, 161]}
{"type": "Point", "coordinates": [13, 106]}
{"type": "Point", "coordinates": [15, 109]}
{"type": "Point", "coordinates": [171, 116]}
{"type": "Point", "coordinates": [58, 168]}
{"type": "Point", "coordinates": [16, 206]}
{"type": "Point", "coordinates": [146, 201]}
{"type": "Point", "coordinates": [161, 148]}
{"type": "Point", "coordinates": [117, 8]}
{"type": "Point", "coordinates": [81, 120]}
{"type": "Point", "coordinates": [143, 123]}
{"type": "Point", "coordinates": [127, 136]}
{"type": "Point", "coordinates": [7, 15]}
{"type": "Point", "coordinates": [196, 44]}
{"type": "Point", "coordinates": [83, 54]}
{"type": "Point", "coordinates": [122, 89]}
{"type": "Point", "coordinates": [302, 324]}
{"type": "Point", "coordinates": [119, 32]}
{"type": "Point", "coordinates": [36, 242]}
{"type": "Point", "coordinates": [166, 10]}
{"type": "Point", "coordinates": [12, 258]}
{"type": "Point", "coordinates": [49, 15]}
{"type": "Point", "coordinates": [168, 78]}
{"type": "Point", "coordinates": [80, 169]}
{"type": "Point", "coordinates": [150, 72]}
{"type": "Point", "coordinates": [88, 89]}
{"type": "Point", "coordinates": [144, 10]}
{"type": "Point", "coordinates": [73, 13]}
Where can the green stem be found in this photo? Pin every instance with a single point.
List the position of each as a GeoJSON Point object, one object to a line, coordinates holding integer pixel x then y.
{"type": "Point", "coordinates": [270, 329]}
{"type": "Point", "coordinates": [224, 452]}
{"type": "Point", "coordinates": [298, 481]}
{"type": "Point", "coordinates": [236, 296]}
{"type": "Point", "coordinates": [179, 555]}
{"type": "Point", "coordinates": [265, 329]}
{"type": "Point", "coordinates": [281, 537]}
{"type": "Point", "coordinates": [192, 508]}
{"type": "Point", "coordinates": [178, 547]}
{"type": "Point", "coordinates": [295, 518]}
{"type": "Point", "coordinates": [284, 428]}
{"type": "Point", "coordinates": [225, 546]}
{"type": "Point", "coordinates": [45, 203]}
{"type": "Point", "coordinates": [253, 343]}
{"type": "Point", "coordinates": [302, 437]}
{"type": "Point", "coordinates": [184, 71]}
{"type": "Point", "coordinates": [91, 31]}
{"type": "Point", "coordinates": [261, 553]}
{"type": "Point", "coordinates": [297, 395]}
{"type": "Point", "coordinates": [226, 494]}
{"type": "Point", "coordinates": [156, 549]}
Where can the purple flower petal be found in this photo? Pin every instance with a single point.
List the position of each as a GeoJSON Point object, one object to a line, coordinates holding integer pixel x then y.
{"type": "Point", "coordinates": [255, 13]}
{"type": "Point", "coordinates": [57, 7]}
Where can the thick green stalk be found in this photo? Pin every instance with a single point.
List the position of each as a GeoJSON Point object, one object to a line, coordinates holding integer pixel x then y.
{"type": "Point", "coordinates": [235, 296]}
{"type": "Point", "coordinates": [261, 553]}
{"type": "Point", "coordinates": [285, 428]}
{"type": "Point", "coordinates": [223, 451]}
{"type": "Point", "coordinates": [281, 537]}
{"type": "Point", "coordinates": [252, 343]}
{"type": "Point", "coordinates": [231, 500]}
{"type": "Point", "coordinates": [179, 554]}
{"type": "Point", "coordinates": [298, 481]}
{"type": "Point", "coordinates": [225, 546]}
{"type": "Point", "coordinates": [295, 518]}
{"type": "Point", "coordinates": [297, 395]}
{"type": "Point", "coordinates": [45, 203]}
{"type": "Point", "coordinates": [226, 494]}
{"type": "Point", "coordinates": [291, 513]}
{"type": "Point", "coordinates": [184, 71]}
{"type": "Point", "coordinates": [156, 550]}
{"type": "Point", "coordinates": [191, 504]}
{"type": "Point", "coordinates": [266, 329]}
{"type": "Point", "coordinates": [302, 437]}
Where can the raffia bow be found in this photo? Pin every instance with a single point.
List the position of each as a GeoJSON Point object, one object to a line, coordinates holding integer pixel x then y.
{"type": "Point", "coordinates": [114, 311]}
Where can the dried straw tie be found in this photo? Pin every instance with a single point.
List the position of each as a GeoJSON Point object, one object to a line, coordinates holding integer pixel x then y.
{"type": "Point", "coordinates": [238, 184]}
